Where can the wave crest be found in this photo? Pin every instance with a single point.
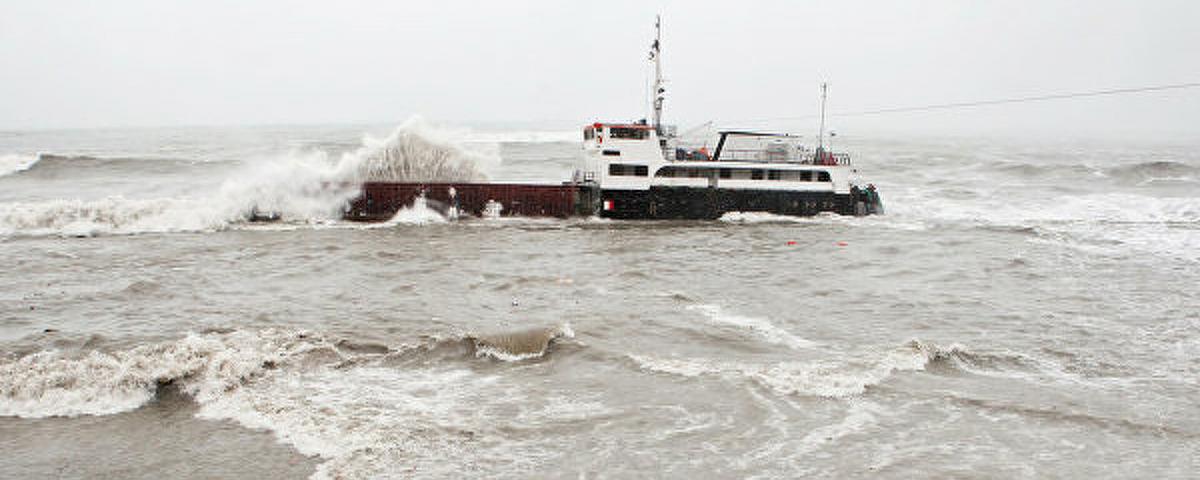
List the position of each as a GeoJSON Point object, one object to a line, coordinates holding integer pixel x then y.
{"type": "Point", "coordinates": [11, 163]}
{"type": "Point", "coordinates": [206, 366]}
{"type": "Point", "coordinates": [519, 345]}
{"type": "Point", "coordinates": [761, 327]}
{"type": "Point", "coordinates": [1129, 172]}
{"type": "Point", "coordinates": [833, 378]}
{"type": "Point", "coordinates": [56, 383]}
{"type": "Point", "coordinates": [51, 166]}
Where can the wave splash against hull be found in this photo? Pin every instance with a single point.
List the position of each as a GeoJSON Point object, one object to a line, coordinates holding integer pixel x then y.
{"type": "Point", "coordinates": [307, 187]}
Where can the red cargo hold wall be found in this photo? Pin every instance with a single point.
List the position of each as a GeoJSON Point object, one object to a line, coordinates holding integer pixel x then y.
{"type": "Point", "coordinates": [380, 201]}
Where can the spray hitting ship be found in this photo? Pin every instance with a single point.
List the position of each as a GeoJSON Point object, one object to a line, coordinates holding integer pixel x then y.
{"type": "Point", "coordinates": [643, 170]}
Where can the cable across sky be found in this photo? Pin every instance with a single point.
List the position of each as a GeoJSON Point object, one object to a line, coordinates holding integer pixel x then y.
{"type": "Point", "coordinates": [980, 103]}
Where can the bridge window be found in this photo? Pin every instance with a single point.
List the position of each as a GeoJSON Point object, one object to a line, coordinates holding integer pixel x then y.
{"type": "Point", "coordinates": [756, 174]}
{"type": "Point", "coordinates": [589, 133]}
{"type": "Point", "coordinates": [774, 175]}
{"type": "Point", "coordinates": [823, 177]}
{"type": "Point", "coordinates": [726, 173]}
{"type": "Point", "coordinates": [630, 133]}
{"type": "Point", "coordinates": [806, 176]}
{"type": "Point", "coordinates": [624, 170]}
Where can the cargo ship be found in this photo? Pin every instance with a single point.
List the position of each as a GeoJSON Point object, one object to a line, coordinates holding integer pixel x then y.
{"type": "Point", "coordinates": [643, 170]}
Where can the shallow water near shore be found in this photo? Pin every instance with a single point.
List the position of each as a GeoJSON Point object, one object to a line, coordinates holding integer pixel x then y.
{"type": "Point", "coordinates": [1019, 312]}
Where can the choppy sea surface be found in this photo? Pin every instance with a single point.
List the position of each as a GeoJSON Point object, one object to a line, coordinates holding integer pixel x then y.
{"type": "Point", "coordinates": [1023, 310]}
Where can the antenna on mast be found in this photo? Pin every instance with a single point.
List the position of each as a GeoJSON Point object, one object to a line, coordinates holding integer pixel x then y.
{"type": "Point", "coordinates": [821, 132]}
{"type": "Point", "coordinates": [658, 80]}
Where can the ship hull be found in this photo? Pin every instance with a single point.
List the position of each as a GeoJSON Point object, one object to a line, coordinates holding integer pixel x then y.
{"type": "Point", "coordinates": [712, 203]}
{"type": "Point", "coordinates": [379, 201]}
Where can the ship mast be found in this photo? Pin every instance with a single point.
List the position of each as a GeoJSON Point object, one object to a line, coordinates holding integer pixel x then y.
{"type": "Point", "coordinates": [821, 132]}
{"type": "Point", "coordinates": [658, 80]}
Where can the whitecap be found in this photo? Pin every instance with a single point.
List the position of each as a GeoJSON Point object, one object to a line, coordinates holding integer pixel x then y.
{"type": "Point", "coordinates": [11, 163]}
{"type": "Point", "coordinates": [761, 327]}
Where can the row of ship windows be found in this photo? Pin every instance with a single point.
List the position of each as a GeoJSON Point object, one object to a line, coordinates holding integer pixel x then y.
{"type": "Point", "coordinates": [618, 132]}
{"type": "Point", "coordinates": [620, 169]}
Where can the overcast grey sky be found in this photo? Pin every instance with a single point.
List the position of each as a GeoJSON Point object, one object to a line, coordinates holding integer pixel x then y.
{"type": "Point", "coordinates": [218, 62]}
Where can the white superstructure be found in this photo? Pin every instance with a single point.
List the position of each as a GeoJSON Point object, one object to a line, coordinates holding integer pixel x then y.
{"type": "Point", "coordinates": [629, 157]}
{"type": "Point", "coordinates": [643, 170]}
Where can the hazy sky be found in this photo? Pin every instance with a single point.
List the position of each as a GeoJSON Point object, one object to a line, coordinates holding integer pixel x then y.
{"type": "Point", "coordinates": [216, 62]}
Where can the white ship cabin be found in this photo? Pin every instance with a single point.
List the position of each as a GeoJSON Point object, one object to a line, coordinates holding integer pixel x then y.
{"type": "Point", "coordinates": [632, 156]}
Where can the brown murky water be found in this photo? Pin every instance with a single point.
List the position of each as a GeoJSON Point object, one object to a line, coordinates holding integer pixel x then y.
{"type": "Point", "coordinates": [1018, 313]}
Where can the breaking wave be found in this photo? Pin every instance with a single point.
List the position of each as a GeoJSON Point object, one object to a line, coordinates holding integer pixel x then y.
{"type": "Point", "coordinates": [72, 382]}
{"type": "Point", "coordinates": [1130, 172]}
{"type": "Point", "coordinates": [834, 378]}
{"type": "Point", "coordinates": [14, 163]}
{"type": "Point", "coordinates": [1035, 170]}
{"type": "Point", "coordinates": [1107, 223]}
{"type": "Point", "coordinates": [1098, 207]}
{"type": "Point", "coordinates": [366, 408]}
{"type": "Point", "coordinates": [1158, 168]}
{"type": "Point", "coordinates": [58, 383]}
{"type": "Point", "coordinates": [760, 327]}
{"type": "Point", "coordinates": [415, 152]}
{"type": "Point", "coordinates": [50, 165]}
{"type": "Point", "coordinates": [519, 345]}
{"type": "Point", "coordinates": [299, 188]}
{"type": "Point", "coordinates": [419, 213]}
{"type": "Point", "coordinates": [1121, 203]}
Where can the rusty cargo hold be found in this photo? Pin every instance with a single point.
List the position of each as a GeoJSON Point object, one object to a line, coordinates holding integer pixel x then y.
{"type": "Point", "coordinates": [379, 201]}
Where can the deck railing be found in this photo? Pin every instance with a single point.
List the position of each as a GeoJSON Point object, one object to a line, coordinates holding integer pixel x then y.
{"type": "Point", "coordinates": [804, 157]}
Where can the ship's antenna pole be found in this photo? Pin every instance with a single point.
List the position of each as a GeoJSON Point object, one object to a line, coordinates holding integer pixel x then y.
{"type": "Point", "coordinates": [658, 80]}
{"type": "Point", "coordinates": [821, 132]}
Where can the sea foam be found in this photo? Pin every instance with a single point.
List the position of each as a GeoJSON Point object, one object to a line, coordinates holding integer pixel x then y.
{"type": "Point", "coordinates": [843, 376]}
